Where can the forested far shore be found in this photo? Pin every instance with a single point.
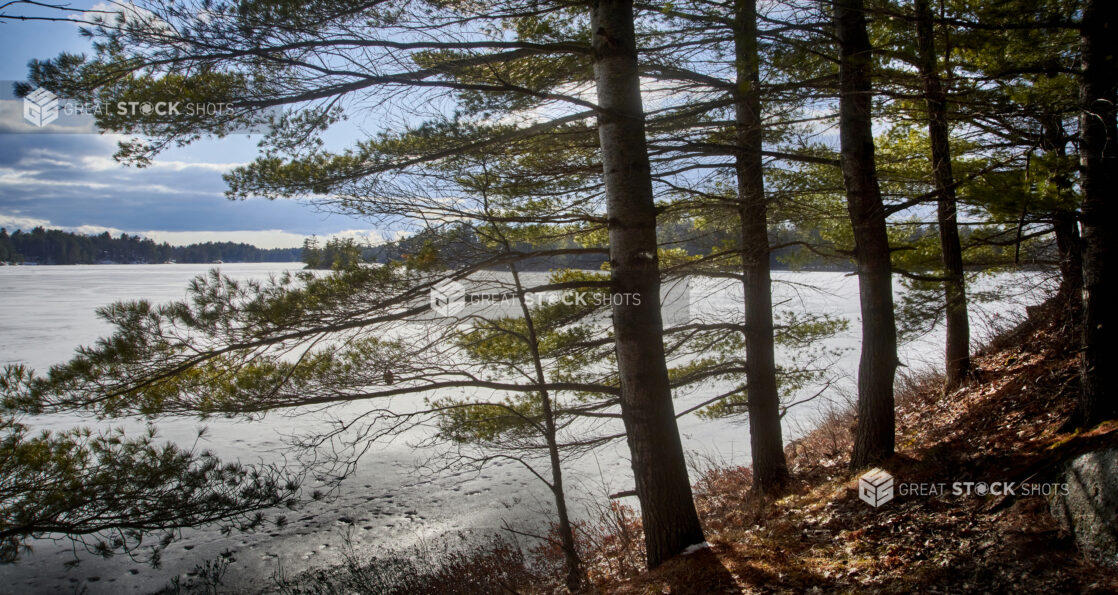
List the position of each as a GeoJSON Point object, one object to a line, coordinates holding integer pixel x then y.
{"type": "Point", "coordinates": [55, 246]}
{"type": "Point", "coordinates": [449, 246]}
{"type": "Point", "coordinates": [794, 248]}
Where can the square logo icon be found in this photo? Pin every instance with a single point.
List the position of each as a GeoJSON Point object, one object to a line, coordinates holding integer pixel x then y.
{"type": "Point", "coordinates": [448, 298]}
{"type": "Point", "coordinates": [40, 107]}
{"type": "Point", "coordinates": [875, 487]}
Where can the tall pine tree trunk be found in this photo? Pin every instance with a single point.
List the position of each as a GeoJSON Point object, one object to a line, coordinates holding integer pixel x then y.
{"type": "Point", "coordinates": [1099, 162]}
{"type": "Point", "coordinates": [667, 508]}
{"type": "Point", "coordinates": [957, 355]}
{"type": "Point", "coordinates": [770, 469]}
{"type": "Point", "coordinates": [874, 435]}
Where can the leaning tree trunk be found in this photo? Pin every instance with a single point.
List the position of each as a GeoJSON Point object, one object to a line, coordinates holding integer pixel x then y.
{"type": "Point", "coordinates": [770, 469]}
{"type": "Point", "coordinates": [1099, 162]}
{"type": "Point", "coordinates": [667, 509]}
{"type": "Point", "coordinates": [1065, 223]}
{"type": "Point", "coordinates": [576, 578]}
{"type": "Point", "coordinates": [1069, 247]}
{"type": "Point", "coordinates": [874, 435]}
{"type": "Point", "coordinates": [957, 355]}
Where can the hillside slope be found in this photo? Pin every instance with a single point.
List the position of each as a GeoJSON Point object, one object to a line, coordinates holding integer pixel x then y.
{"type": "Point", "coordinates": [1003, 427]}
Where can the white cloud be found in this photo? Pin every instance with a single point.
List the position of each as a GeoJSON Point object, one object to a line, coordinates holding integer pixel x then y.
{"type": "Point", "coordinates": [90, 230]}
{"type": "Point", "coordinates": [370, 237]}
{"type": "Point", "coordinates": [41, 157]}
{"type": "Point", "coordinates": [14, 222]}
{"type": "Point", "coordinates": [70, 182]}
{"type": "Point", "coordinates": [29, 179]}
{"type": "Point", "coordinates": [44, 157]}
{"type": "Point", "coordinates": [111, 11]}
{"type": "Point", "coordinates": [101, 163]}
{"type": "Point", "coordinates": [11, 222]}
{"type": "Point", "coordinates": [270, 238]}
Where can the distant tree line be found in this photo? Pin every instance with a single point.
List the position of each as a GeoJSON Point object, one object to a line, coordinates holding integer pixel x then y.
{"type": "Point", "coordinates": [54, 246]}
{"type": "Point", "coordinates": [792, 249]}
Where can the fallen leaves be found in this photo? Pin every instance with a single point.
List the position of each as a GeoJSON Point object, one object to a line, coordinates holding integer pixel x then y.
{"type": "Point", "coordinates": [819, 537]}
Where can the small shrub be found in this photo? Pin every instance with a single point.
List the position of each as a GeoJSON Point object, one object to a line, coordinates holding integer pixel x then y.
{"type": "Point", "coordinates": [829, 443]}
{"type": "Point", "coordinates": [917, 387]}
{"type": "Point", "coordinates": [611, 548]}
{"type": "Point", "coordinates": [723, 498]}
{"type": "Point", "coordinates": [206, 578]}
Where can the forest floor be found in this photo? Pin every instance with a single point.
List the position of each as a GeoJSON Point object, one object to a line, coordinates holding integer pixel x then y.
{"type": "Point", "coordinates": [1004, 426]}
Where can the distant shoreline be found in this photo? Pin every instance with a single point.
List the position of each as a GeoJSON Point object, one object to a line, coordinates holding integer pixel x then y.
{"type": "Point", "coordinates": [58, 247]}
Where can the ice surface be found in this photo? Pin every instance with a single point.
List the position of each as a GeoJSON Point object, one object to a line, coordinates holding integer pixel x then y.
{"type": "Point", "coordinates": [49, 310]}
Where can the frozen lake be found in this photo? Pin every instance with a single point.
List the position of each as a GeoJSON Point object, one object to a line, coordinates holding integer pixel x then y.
{"type": "Point", "coordinates": [388, 502]}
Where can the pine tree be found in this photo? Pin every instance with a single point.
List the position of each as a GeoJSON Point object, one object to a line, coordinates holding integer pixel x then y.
{"type": "Point", "coordinates": [671, 523]}
{"type": "Point", "coordinates": [874, 439]}
{"type": "Point", "coordinates": [1099, 161]}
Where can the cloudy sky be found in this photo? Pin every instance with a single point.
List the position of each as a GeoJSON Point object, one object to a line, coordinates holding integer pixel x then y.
{"type": "Point", "coordinates": [70, 181]}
